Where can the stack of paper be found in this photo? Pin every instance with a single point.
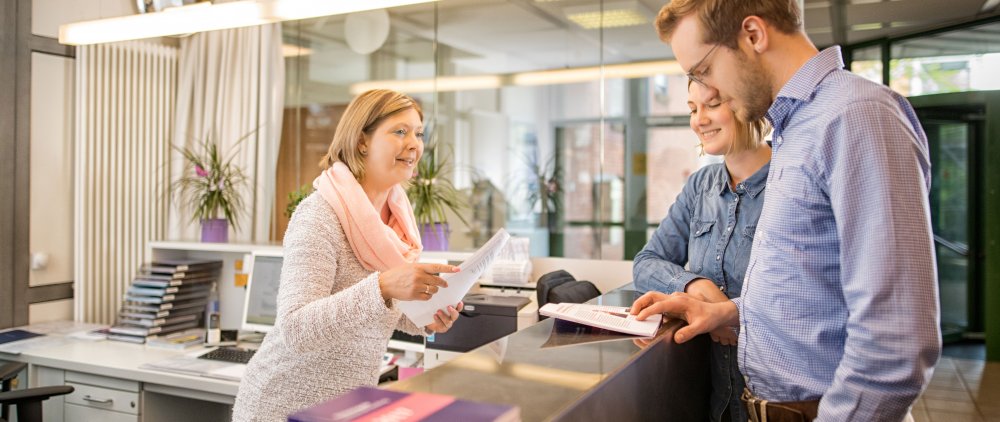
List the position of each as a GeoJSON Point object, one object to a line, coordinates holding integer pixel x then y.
{"type": "Point", "coordinates": [512, 265]}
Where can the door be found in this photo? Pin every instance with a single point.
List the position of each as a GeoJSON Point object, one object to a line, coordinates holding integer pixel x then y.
{"type": "Point", "coordinates": [954, 134]}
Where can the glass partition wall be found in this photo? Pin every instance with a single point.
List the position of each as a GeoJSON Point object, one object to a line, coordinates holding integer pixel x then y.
{"type": "Point", "coordinates": [562, 121]}
{"type": "Point", "coordinates": [966, 59]}
{"type": "Point", "coordinates": [962, 58]}
{"type": "Point", "coordinates": [552, 114]}
{"type": "Point", "coordinates": [950, 76]}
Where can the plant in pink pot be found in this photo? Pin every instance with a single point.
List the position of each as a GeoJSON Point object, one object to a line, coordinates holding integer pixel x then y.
{"type": "Point", "coordinates": [211, 186]}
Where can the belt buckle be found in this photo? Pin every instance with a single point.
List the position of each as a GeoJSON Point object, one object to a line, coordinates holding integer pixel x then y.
{"type": "Point", "coordinates": [756, 408]}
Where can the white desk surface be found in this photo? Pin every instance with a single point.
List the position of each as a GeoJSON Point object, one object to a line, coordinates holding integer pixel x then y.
{"type": "Point", "coordinates": [114, 359]}
{"type": "Point", "coordinates": [60, 350]}
{"type": "Point", "coordinates": [244, 248]}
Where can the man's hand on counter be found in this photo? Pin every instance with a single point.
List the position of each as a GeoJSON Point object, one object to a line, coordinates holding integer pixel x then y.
{"type": "Point", "coordinates": [701, 316]}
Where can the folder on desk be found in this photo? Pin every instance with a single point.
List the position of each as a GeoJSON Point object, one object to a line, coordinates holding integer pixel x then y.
{"type": "Point", "coordinates": [129, 330]}
{"type": "Point", "coordinates": [157, 322]}
{"type": "Point", "coordinates": [191, 365]}
{"type": "Point", "coordinates": [134, 297]}
{"type": "Point", "coordinates": [165, 296]}
{"type": "Point", "coordinates": [373, 404]}
{"type": "Point", "coordinates": [15, 335]}
{"type": "Point", "coordinates": [162, 282]}
{"type": "Point", "coordinates": [182, 265]}
{"type": "Point", "coordinates": [155, 307]}
{"type": "Point", "coordinates": [157, 314]}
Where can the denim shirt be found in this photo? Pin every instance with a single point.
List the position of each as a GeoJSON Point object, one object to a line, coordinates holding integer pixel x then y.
{"type": "Point", "coordinates": [709, 229]}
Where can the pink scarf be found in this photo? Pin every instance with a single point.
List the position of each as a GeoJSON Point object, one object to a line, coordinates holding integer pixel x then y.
{"type": "Point", "coordinates": [379, 246]}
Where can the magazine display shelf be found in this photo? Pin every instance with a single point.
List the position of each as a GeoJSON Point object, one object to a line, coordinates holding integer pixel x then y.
{"type": "Point", "coordinates": [231, 295]}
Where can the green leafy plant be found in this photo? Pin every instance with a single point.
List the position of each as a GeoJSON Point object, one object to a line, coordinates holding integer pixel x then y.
{"type": "Point", "coordinates": [545, 188]}
{"type": "Point", "coordinates": [211, 183]}
{"type": "Point", "coordinates": [296, 196]}
{"type": "Point", "coordinates": [431, 194]}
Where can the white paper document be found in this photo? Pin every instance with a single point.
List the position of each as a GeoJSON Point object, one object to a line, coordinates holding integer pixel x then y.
{"type": "Point", "coordinates": [422, 312]}
{"type": "Point", "coordinates": [614, 318]}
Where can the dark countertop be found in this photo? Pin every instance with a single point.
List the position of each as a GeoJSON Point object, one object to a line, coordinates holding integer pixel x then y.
{"type": "Point", "coordinates": [547, 372]}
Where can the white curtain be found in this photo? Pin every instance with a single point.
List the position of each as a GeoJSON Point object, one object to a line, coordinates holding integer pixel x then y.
{"type": "Point", "coordinates": [231, 83]}
{"type": "Point", "coordinates": [124, 125]}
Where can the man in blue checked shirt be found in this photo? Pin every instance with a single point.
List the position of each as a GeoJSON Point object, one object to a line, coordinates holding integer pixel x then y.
{"type": "Point", "coordinates": [838, 314]}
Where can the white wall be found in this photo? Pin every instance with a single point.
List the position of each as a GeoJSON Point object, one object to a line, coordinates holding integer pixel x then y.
{"type": "Point", "coordinates": [51, 195]}
{"type": "Point", "coordinates": [56, 310]}
{"type": "Point", "coordinates": [47, 15]}
{"type": "Point", "coordinates": [51, 208]}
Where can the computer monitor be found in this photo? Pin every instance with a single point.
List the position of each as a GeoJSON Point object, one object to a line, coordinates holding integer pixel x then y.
{"type": "Point", "coordinates": [261, 304]}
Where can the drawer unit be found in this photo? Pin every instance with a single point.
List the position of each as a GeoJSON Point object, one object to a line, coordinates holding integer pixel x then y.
{"type": "Point", "coordinates": [104, 398]}
{"type": "Point", "coordinates": [100, 398]}
{"type": "Point", "coordinates": [102, 381]}
{"type": "Point", "coordinates": [84, 413]}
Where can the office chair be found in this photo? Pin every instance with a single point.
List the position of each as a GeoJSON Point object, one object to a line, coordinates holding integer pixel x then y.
{"type": "Point", "coordinates": [28, 401]}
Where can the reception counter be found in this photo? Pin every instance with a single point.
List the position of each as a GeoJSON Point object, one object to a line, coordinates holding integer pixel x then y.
{"type": "Point", "coordinates": [560, 371]}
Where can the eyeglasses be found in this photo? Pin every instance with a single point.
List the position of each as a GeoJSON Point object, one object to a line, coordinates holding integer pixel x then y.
{"type": "Point", "coordinates": [691, 73]}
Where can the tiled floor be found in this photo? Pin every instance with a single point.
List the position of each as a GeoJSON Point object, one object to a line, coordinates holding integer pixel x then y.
{"type": "Point", "coordinates": [961, 390]}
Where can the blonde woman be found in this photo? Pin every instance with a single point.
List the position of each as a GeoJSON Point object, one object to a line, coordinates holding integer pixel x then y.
{"type": "Point", "coordinates": [350, 255]}
{"type": "Point", "coordinates": [710, 229]}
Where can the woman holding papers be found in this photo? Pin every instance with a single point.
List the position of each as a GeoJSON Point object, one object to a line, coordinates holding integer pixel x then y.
{"type": "Point", "coordinates": [710, 229]}
{"type": "Point", "coordinates": [350, 255]}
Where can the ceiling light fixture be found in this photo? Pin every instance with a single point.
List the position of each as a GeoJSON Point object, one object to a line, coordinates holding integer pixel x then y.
{"type": "Point", "coordinates": [867, 26]}
{"type": "Point", "coordinates": [583, 74]}
{"type": "Point", "coordinates": [286, 10]}
{"type": "Point", "coordinates": [444, 84]}
{"type": "Point", "coordinates": [617, 18]}
{"type": "Point", "coordinates": [612, 15]}
{"type": "Point", "coordinates": [173, 21]}
{"type": "Point", "coordinates": [206, 16]}
{"type": "Point", "coordinates": [292, 50]}
{"type": "Point", "coordinates": [544, 77]}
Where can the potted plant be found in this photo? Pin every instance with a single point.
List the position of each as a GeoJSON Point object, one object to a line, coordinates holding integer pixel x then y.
{"type": "Point", "coordinates": [545, 190]}
{"type": "Point", "coordinates": [211, 186]}
{"type": "Point", "coordinates": [296, 196]}
{"type": "Point", "coordinates": [432, 195]}
{"type": "Point", "coordinates": [539, 197]}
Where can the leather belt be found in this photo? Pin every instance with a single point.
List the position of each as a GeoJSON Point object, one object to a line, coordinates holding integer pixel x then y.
{"type": "Point", "coordinates": [759, 410]}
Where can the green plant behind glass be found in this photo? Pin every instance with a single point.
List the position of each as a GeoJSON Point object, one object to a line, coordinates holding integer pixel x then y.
{"type": "Point", "coordinates": [297, 196]}
{"type": "Point", "coordinates": [210, 183]}
{"type": "Point", "coordinates": [431, 194]}
{"type": "Point", "coordinates": [545, 190]}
